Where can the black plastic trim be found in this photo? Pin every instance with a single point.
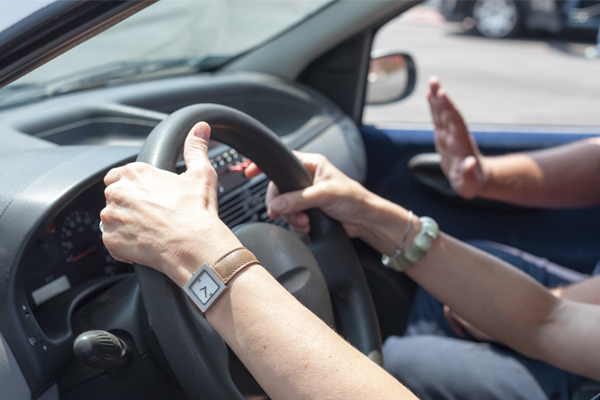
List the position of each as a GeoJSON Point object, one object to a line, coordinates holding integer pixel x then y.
{"type": "Point", "coordinates": [34, 205]}
{"type": "Point", "coordinates": [55, 29]}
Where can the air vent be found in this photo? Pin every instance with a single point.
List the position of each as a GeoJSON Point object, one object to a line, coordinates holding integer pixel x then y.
{"type": "Point", "coordinates": [246, 204]}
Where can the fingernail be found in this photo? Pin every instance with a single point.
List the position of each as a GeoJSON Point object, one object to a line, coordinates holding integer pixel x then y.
{"type": "Point", "coordinates": [202, 131]}
{"type": "Point", "coordinates": [279, 205]}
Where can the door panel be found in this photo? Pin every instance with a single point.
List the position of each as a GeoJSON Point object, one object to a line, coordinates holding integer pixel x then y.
{"type": "Point", "coordinates": [567, 237]}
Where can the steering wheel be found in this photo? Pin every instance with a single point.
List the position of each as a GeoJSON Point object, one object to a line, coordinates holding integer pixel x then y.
{"type": "Point", "coordinates": [195, 352]}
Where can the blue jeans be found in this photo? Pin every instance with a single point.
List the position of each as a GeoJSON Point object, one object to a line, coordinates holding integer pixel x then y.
{"type": "Point", "coordinates": [436, 364]}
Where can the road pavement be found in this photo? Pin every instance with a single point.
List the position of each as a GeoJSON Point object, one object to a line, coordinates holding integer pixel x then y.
{"type": "Point", "coordinates": [524, 81]}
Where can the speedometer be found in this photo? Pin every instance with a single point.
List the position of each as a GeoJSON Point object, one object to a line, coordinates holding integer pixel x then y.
{"type": "Point", "coordinates": [81, 240]}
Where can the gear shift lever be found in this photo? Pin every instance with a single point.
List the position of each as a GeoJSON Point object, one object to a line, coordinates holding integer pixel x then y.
{"type": "Point", "coordinates": [101, 349]}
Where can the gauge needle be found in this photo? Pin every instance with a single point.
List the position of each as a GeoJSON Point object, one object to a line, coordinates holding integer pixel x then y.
{"type": "Point", "coordinates": [83, 254]}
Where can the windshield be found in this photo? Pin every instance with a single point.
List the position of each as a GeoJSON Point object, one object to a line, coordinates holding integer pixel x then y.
{"type": "Point", "coordinates": [167, 38]}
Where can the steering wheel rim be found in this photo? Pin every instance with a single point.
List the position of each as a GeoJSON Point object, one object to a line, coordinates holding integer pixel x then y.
{"type": "Point", "coordinates": [196, 353]}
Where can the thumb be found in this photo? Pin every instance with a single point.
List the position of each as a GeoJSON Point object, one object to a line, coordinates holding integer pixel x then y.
{"type": "Point", "coordinates": [195, 149]}
{"type": "Point", "coordinates": [469, 177]}
{"type": "Point", "coordinates": [469, 164]}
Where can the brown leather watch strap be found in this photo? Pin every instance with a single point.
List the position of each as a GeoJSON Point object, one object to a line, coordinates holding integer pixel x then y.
{"type": "Point", "coordinates": [204, 288]}
{"type": "Point", "coordinates": [231, 263]}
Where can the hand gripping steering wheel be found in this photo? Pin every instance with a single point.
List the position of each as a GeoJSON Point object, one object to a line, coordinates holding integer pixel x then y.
{"type": "Point", "coordinates": [196, 353]}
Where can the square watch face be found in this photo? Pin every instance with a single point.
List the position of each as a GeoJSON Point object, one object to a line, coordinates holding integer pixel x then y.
{"type": "Point", "coordinates": [204, 287]}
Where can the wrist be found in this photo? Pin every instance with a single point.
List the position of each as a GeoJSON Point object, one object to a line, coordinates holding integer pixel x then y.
{"type": "Point", "coordinates": [486, 177]}
{"type": "Point", "coordinates": [211, 281]}
{"type": "Point", "coordinates": [386, 222]}
{"type": "Point", "coordinates": [242, 284]}
{"type": "Point", "coordinates": [406, 257]}
{"type": "Point", "coordinates": [205, 247]}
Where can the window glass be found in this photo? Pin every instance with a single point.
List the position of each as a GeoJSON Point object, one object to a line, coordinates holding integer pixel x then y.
{"type": "Point", "coordinates": [170, 37]}
{"type": "Point", "coordinates": [533, 79]}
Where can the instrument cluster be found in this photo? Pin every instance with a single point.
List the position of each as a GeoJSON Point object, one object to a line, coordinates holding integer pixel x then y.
{"type": "Point", "coordinates": [70, 251]}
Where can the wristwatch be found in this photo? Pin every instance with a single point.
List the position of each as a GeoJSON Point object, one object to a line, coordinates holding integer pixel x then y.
{"type": "Point", "coordinates": [418, 249]}
{"type": "Point", "coordinates": [210, 281]}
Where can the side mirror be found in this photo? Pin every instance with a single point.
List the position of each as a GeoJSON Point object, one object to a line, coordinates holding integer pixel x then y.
{"type": "Point", "coordinates": [392, 77]}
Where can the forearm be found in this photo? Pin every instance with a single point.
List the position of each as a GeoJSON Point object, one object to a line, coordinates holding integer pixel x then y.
{"type": "Point", "coordinates": [482, 289]}
{"type": "Point", "coordinates": [497, 298]}
{"type": "Point", "coordinates": [289, 350]}
{"type": "Point", "coordinates": [586, 291]}
{"type": "Point", "coordinates": [383, 223]}
{"type": "Point", "coordinates": [285, 346]}
{"type": "Point", "coordinates": [492, 295]}
{"type": "Point", "coordinates": [564, 176]}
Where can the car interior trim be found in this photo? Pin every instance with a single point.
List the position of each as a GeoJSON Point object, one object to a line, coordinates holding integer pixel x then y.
{"type": "Point", "coordinates": [11, 378]}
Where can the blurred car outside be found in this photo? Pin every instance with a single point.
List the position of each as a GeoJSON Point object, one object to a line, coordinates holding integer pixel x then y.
{"type": "Point", "coordinates": [505, 18]}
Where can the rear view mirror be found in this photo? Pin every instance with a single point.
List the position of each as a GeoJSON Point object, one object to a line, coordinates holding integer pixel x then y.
{"type": "Point", "coordinates": [392, 77]}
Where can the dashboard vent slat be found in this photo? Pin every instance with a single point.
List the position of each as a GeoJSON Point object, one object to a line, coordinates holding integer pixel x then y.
{"type": "Point", "coordinates": [246, 204]}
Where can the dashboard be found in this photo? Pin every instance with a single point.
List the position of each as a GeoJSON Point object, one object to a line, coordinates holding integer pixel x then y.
{"type": "Point", "coordinates": [55, 153]}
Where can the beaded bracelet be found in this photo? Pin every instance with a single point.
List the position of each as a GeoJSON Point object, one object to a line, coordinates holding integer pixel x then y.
{"type": "Point", "coordinates": [388, 261]}
{"type": "Point", "coordinates": [423, 242]}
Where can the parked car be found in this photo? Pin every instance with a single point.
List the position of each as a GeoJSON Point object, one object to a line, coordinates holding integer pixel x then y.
{"type": "Point", "coordinates": [504, 18]}
{"type": "Point", "coordinates": [85, 84]}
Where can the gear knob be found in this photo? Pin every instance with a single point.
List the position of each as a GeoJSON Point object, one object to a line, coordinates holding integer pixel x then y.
{"type": "Point", "coordinates": [101, 349]}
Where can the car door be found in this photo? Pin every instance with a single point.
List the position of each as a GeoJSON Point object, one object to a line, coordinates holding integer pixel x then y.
{"type": "Point", "coordinates": [519, 95]}
{"type": "Point", "coordinates": [403, 167]}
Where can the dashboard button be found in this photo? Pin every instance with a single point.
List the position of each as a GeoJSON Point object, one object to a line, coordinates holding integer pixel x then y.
{"type": "Point", "coordinates": [35, 329]}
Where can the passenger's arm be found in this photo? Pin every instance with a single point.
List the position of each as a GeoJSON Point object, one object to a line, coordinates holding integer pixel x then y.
{"type": "Point", "coordinates": [495, 297]}
{"type": "Point", "coordinates": [500, 300]}
{"type": "Point", "coordinates": [586, 291]}
{"type": "Point", "coordinates": [512, 307]}
{"type": "Point", "coordinates": [170, 222]}
{"type": "Point", "coordinates": [564, 176]}
{"type": "Point", "coordinates": [559, 177]}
